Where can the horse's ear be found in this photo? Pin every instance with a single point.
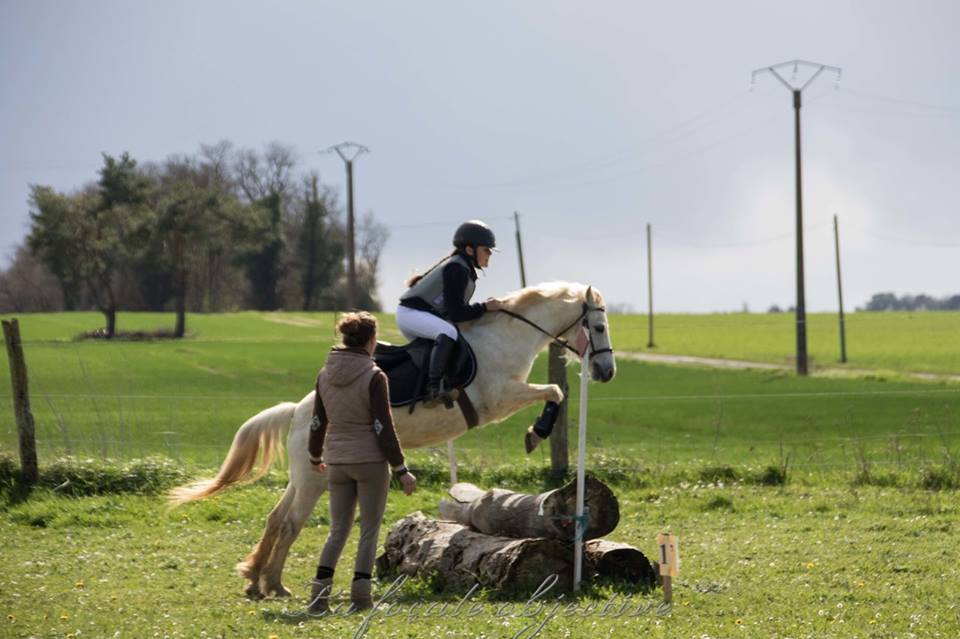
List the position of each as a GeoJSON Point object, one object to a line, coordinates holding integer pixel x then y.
{"type": "Point", "coordinates": [590, 294]}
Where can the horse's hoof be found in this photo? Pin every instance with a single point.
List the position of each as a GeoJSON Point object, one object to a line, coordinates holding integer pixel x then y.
{"type": "Point", "coordinates": [531, 440]}
{"type": "Point", "coordinates": [253, 592]}
{"type": "Point", "coordinates": [280, 592]}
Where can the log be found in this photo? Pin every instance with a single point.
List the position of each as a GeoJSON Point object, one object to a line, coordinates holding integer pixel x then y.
{"type": "Point", "coordinates": [619, 561]}
{"type": "Point", "coordinates": [520, 515]}
{"type": "Point", "coordinates": [458, 557]}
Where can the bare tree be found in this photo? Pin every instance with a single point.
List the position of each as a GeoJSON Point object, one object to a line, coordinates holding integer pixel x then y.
{"type": "Point", "coordinates": [372, 236]}
{"type": "Point", "coordinates": [27, 286]}
{"type": "Point", "coordinates": [260, 176]}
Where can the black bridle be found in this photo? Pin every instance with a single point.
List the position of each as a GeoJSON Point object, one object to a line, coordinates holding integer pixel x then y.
{"type": "Point", "coordinates": [581, 319]}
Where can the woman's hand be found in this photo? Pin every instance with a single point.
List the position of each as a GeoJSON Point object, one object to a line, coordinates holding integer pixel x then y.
{"type": "Point", "coordinates": [319, 468]}
{"type": "Point", "coordinates": [493, 304]}
{"type": "Point", "coordinates": [409, 482]}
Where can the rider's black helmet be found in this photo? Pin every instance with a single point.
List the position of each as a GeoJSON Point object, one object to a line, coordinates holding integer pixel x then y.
{"type": "Point", "coordinates": [474, 233]}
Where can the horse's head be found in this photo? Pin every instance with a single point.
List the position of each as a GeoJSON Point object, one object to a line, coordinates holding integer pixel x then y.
{"type": "Point", "coordinates": [603, 366]}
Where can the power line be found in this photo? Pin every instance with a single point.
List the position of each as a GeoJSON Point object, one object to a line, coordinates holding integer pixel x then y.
{"type": "Point", "coordinates": [901, 101]}
{"type": "Point", "coordinates": [668, 136]}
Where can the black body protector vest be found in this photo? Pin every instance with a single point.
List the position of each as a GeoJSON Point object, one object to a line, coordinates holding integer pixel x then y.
{"type": "Point", "coordinates": [430, 287]}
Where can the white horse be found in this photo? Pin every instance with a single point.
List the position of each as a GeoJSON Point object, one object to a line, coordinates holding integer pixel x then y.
{"type": "Point", "coordinates": [505, 349]}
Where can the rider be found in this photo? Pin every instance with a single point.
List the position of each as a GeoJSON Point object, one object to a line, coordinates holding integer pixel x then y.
{"type": "Point", "coordinates": [440, 297]}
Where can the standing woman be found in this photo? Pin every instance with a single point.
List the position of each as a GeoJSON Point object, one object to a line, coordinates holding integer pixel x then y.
{"type": "Point", "coordinates": [353, 441]}
{"type": "Point", "coordinates": [440, 297]}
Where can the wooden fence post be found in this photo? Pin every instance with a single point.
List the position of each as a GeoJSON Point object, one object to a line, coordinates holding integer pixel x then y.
{"type": "Point", "coordinates": [21, 401]}
{"type": "Point", "coordinates": [557, 372]}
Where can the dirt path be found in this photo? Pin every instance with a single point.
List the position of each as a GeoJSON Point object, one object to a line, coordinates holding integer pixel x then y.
{"type": "Point", "coordinates": [712, 362]}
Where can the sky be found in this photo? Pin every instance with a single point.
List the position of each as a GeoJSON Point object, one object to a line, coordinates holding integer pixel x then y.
{"type": "Point", "coordinates": [591, 120]}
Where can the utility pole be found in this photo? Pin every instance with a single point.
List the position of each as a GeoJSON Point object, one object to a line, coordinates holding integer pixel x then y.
{"type": "Point", "coordinates": [523, 273]}
{"type": "Point", "coordinates": [348, 152]}
{"type": "Point", "coordinates": [797, 92]}
{"type": "Point", "coordinates": [843, 333]}
{"type": "Point", "coordinates": [650, 343]}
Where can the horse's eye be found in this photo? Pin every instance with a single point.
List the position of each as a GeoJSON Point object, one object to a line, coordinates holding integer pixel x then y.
{"type": "Point", "coordinates": [598, 328]}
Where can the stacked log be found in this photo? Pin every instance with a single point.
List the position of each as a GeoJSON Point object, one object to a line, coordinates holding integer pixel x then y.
{"type": "Point", "coordinates": [460, 557]}
{"type": "Point", "coordinates": [503, 539]}
{"type": "Point", "coordinates": [550, 514]}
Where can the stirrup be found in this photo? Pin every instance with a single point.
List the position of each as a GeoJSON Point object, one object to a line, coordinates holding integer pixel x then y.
{"type": "Point", "coordinates": [442, 396]}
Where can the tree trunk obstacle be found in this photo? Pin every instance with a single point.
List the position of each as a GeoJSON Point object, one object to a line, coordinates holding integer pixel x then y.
{"type": "Point", "coordinates": [512, 541]}
{"type": "Point", "coordinates": [550, 514]}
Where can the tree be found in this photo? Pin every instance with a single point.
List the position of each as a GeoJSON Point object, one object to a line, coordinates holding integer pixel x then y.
{"type": "Point", "coordinates": [52, 239]}
{"type": "Point", "coordinates": [182, 224]}
{"type": "Point", "coordinates": [27, 286]}
{"type": "Point", "coordinates": [113, 224]}
{"type": "Point", "coordinates": [266, 182]}
{"type": "Point", "coordinates": [319, 252]}
{"type": "Point", "coordinates": [371, 238]}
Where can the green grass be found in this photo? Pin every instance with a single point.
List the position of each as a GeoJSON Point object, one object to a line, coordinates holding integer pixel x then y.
{"type": "Point", "coordinates": [805, 561]}
{"type": "Point", "coordinates": [185, 399]}
{"type": "Point", "coordinates": [859, 542]}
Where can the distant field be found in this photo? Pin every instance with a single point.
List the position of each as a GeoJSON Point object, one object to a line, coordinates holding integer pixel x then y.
{"type": "Point", "coordinates": [186, 398]}
{"type": "Point", "coordinates": [922, 342]}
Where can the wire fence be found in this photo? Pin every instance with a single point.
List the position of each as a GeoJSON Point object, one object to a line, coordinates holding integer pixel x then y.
{"type": "Point", "coordinates": [694, 429]}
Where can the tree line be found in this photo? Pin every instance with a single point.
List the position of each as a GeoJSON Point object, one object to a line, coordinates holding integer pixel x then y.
{"type": "Point", "coordinates": [921, 302]}
{"type": "Point", "coordinates": [220, 230]}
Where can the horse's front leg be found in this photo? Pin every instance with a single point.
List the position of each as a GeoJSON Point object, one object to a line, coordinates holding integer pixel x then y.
{"type": "Point", "coordinates": [552, 395]}
{"type": "Point", "coordinates": [521, 394]}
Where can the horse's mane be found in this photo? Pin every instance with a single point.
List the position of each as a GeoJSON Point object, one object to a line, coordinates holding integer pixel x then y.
{"type": "Point", "coordinates": [519, 301]}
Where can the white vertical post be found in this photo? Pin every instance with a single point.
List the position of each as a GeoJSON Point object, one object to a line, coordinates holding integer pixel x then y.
{"type": "Point", "coordinates": [452, 458]}
{"type": "Point", "coordinates": [581, 463]}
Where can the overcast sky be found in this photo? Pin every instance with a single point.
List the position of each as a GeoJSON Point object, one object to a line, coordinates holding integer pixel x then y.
{"type": "Point", "coordinates": [590, 119]}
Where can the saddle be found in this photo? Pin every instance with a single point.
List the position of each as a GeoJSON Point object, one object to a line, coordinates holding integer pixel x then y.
{"type": "Point", "coordinates": [407, 367]}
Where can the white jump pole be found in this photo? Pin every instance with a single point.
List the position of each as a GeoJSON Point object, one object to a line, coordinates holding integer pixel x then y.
{"type": "Point", "coordinates": [581, 462]}
{"type": "Point", "coordinates": [452, 458]}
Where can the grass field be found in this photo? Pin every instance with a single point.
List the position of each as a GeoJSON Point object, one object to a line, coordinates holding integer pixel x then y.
{"type": "Point", "coordinates": [186, 399]}
{"type": "Point", "coordinates": [900, 341]}
{"type": "Point", "coordinates": [858, 543]}
{"type": "Point", "coordinates": [757, 562]}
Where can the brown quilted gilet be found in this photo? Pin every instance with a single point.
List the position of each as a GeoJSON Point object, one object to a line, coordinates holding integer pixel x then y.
{"type": "Point", "coordinates": [344, 385]}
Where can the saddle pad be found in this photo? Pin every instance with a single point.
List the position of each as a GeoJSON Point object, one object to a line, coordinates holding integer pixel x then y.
{"type": "Point", "coordinates": [406, 367]}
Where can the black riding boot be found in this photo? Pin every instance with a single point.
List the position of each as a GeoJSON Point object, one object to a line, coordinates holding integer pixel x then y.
{"type": "Point", "coordinates": [439, 358]}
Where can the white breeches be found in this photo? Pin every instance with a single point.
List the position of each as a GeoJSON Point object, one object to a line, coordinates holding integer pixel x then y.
{"type": "Point", "coordinates": [413, 323]}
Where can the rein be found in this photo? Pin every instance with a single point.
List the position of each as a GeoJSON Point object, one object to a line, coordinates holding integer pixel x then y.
{"type": "Point", "coordinates": [582, 319]}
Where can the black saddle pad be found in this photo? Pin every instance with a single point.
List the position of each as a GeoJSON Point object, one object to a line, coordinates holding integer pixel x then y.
{"type": "Point", "coordinates": [407, 367]}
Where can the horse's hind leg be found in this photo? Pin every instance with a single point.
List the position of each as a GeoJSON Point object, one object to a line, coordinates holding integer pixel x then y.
{"type": "Point", "coordinates": [304, 500]}
{"type": "Point", "coordinates": [252, 566]}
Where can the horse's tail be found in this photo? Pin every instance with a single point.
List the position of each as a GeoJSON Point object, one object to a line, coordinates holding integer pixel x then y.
{"type": "Point", "coordinates": [259, 436]}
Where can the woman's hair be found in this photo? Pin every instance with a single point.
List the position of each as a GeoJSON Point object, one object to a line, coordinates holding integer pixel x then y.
{"type": "Point", "coordinates": [357, 328]}
{"type": "Point", "coordinates": [413, 279]}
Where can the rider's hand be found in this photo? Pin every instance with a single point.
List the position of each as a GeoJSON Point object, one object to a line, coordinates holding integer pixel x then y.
{"type": "Point", "coordinates": [409, 482]}
{"type": "Point", "coordinates": [319, 468]}
{"type": "Point", "coordinates": [493, 304]}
